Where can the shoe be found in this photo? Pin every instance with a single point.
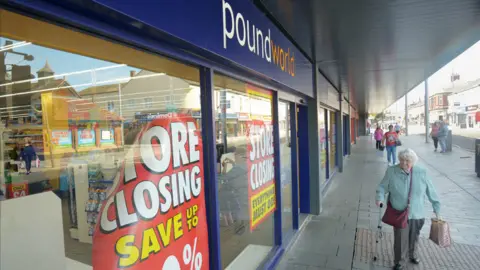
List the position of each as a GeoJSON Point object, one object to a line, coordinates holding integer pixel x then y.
{"type": "Point", "coordinates": [415, 260]}
{"type": "Point", "coordinates": [435, 150]}
{"type": "Point", "coordinates": [398, 267]}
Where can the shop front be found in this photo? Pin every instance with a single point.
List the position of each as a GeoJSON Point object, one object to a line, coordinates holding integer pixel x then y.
{"type": "Point", "coordinates": [113, 107]}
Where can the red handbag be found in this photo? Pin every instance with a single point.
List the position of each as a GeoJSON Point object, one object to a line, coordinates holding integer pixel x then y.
{"type": "Point", "coordinates": [393, 217]}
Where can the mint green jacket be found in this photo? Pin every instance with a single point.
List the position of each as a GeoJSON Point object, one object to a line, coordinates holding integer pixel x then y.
{"type": "Point", "coordinates": [396, 183]}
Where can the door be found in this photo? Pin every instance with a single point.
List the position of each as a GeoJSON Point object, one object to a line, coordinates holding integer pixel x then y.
{"type": "Point", "coordinates": [287, 170]}
{"type": "Point", "coordinates": [303, 162]}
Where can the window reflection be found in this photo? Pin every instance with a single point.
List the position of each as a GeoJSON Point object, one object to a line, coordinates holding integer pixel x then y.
{"type": "Point", "coordinates": [67, 120]}
{"type": "Point", "coordinates": [243, 122]}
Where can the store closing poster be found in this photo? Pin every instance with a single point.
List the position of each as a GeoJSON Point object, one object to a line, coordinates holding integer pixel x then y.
{"type": "Point", "coordinates": [260, 164]}
{"type": "Point", "coordinates": [155, 217]}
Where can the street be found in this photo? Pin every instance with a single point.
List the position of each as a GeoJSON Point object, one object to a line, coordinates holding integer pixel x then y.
{"type": "Point", "coordinates": [463, 138]}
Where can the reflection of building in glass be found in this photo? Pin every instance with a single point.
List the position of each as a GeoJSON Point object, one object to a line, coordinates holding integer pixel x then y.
{"type": "Point", "coordinates": [145, 96]}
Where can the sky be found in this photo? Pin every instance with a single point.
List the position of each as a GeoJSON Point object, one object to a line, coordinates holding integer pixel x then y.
{"type": "Point", "coordinates": [467, 65]}
{"type": "Point", "coordinates": [63, 62]}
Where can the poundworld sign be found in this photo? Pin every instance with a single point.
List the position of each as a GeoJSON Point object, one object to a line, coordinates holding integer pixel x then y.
{"type": "Point", "coordinates": [233, 29]}
{"type": "Point", "coordinates": [259, 42]}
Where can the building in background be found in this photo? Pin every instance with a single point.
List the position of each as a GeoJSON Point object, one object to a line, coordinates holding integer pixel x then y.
{"type": "Point", "coordinates": [464, 105]}
{"type": "Point", "coordinates": [438, 106]}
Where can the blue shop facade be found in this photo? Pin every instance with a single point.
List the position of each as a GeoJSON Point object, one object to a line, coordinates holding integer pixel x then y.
{"type": "Point", "coordinates": [212, 136]}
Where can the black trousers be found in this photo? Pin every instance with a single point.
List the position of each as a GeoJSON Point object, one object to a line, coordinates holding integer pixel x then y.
{"type": "Point", "coordinates": [405, 240]}
{"type": "Point", "coordinates": [435, 142]}
{"type": "Point", "coordinates": [378, 144]}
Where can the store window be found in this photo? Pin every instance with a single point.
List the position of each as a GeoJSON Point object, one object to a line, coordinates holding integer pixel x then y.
{"type": "Point", "coordinates": [322, 134]}
{"type": "Point", "coordinates": [245, 172]}
{"type": "Point", "coordinates": [332, 135]}
{"type": "Point", "coordinates": [286, 166]}
{"type": "Point", "coordinates": [75, 124]}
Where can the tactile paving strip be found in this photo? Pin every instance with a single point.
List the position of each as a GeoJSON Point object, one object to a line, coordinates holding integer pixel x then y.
{"type": "Point", "coordinates": [457, 256]}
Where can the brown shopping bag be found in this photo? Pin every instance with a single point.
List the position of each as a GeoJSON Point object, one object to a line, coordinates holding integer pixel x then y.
{"type": "Point", "coordinates": [440, 233]}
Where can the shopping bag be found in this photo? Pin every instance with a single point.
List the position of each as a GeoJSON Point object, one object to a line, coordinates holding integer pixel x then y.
{"type": "Point", "coordinates": [37, 163]}
{"type": "Point", "coordinates": [440, 233]}
{"type": "Point", "coordinates": [22, 165]}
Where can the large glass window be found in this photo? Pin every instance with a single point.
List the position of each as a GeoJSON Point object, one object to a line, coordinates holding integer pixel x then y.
{"type": "Point", "coordinates": [332, 136]}
{"type": "Point", "coordinates": [322, 134]}
{"type": "Point", "coordinates": [245, 172]}
{"type": "Point", "coordinates": [286, 163]}
{"type": "Point", "coordinates": [115, 133]}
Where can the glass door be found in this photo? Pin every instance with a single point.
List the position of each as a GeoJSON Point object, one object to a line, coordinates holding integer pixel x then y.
{"type": "Point", "coordinates": [286, 166]}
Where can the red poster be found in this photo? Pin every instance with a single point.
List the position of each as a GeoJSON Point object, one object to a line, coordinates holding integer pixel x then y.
{"type": "Point", "coordinates": [17, 190]}
{"type": "Point", "coordinates": [155, 217]}
{"type": "Point", "coordinates": [261, 173]}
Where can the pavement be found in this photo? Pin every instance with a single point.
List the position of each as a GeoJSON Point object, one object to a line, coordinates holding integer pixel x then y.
{"type": "Point", "coordinates": [343, 236]}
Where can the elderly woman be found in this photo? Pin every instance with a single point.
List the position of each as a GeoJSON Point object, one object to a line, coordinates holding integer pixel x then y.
{"type": "Point", "coordinates": [396, 184]}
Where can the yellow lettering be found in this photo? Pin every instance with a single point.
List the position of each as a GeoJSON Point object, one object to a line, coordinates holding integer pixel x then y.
{"type": "Point", "coordinates": [127, 252]}
{"type": "Point", "coordinates": [177, 226]}
{"type": "Point", "coordinates": [149, 243]}
{"type": "Point", "coordinates": [275, 53]}
{"type": "Point", "coordinates": [282, 59]}
{"type": "Point", "coordinates": [165, 233]}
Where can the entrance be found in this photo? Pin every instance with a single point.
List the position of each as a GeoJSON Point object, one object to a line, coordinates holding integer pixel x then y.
{"type": "Point", "coordinates": [303, 163]}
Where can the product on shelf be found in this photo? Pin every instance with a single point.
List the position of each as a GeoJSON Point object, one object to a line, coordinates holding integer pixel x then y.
{"type": "Point", "coordinates": [97, 194]}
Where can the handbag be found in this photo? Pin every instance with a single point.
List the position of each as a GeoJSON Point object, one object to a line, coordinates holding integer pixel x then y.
{"type": "Point", "coordinates": [398, 142]}
{"type": "Point", "coordinates": [440, 233]}
{"type": "Point", "coordinates": [393, 217]}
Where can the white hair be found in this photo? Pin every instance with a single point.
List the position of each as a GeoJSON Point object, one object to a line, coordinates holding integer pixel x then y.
{"type": "Point", "coordinates": [408, 154]}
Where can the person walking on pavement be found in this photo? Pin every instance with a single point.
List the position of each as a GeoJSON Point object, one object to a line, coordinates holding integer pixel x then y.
{"type": "Point", "coordinates": [434, 135]}
{"type": "Point", "coordinates": [378, 137]}
{"type": "Point", "coordinates": [390, 142]}
{"type": "Point", "coordinates": [398, 128]}
{"type": "Point", "coordinates": [442, 136]}
{"type": "Point", "coordinates": [396, 183]}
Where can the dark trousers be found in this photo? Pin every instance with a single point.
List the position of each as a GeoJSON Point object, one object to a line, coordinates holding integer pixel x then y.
{"type": "Point", "coordinates": [406, 240]}
{"type": "Point", "coordinates": [435, 142]}
{"type": "Point", "coordinates": [378, 144]}
{"type": "Point", "coordinates": [28, 163]}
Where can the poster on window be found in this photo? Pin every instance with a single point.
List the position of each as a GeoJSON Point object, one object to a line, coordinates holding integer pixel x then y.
{"type": "Point", "coordinates": [61, 138]}
{"type": "Point", "coordinates": [261, 173]}
{"type": "Point", "coordinates": [107, 136]}
{"type": "Point", "coordinates": [86, 137]}
{"type": "Point", "coordinates": [155, 216]}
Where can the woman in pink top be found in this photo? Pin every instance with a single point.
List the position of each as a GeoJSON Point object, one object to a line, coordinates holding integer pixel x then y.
{"type": "Point", "coordinates": [378, 136]}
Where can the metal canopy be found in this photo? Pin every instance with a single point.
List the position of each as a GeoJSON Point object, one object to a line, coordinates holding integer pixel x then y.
{"type": "Point", "coordinates": [376, 51]}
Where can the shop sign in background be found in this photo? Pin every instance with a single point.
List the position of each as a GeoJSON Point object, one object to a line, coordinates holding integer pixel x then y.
{"type": "Point", "coordinates": [107, 136]}
{"type": "Point", "coordinates": [218, 26]}
{"type": "Point", "coordinates": [62, 138]}
{"type": "Point", "coordinates": [155, 217]}
{"type": "Point", "coordinates": [86, 137]}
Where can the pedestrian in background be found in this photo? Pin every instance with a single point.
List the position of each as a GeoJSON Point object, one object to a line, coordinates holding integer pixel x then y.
{"type": "Point", "coordinates": [378, 137]}
{"type": "Point", "coordinates": [442, 136]}
{"type": "Point", "coordinates": [402, 182]}
{"type": "Point", "coordinates": [434, 134]}
{"type": "Point", "coordinates": [28, 154]}
{"type": "Point", "coordinates": [398, 128]}
{"type": "Point", "coordinates": [390, 141]}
